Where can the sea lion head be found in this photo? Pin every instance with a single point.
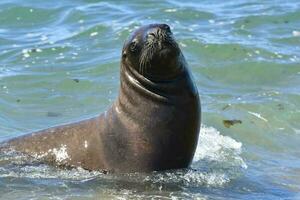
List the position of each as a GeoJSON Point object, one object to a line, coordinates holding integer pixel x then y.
{"type": "Point", "coordinates": [153, 52]}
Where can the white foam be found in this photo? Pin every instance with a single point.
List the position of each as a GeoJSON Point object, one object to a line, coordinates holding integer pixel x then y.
{"type": "Point", "coordinates": [211, 21]}
{"type": "Point", "coordinates": [44, 38]}
{"type": "Point", "coordinates": [47, 172]}
{"type": "Point", "coordinates": [209, 179]}
{"type": "Point", "coordinates": [93, 34]}
{"type": "Point", "coordinates": [217, 161]}
{"type": "Point", "coordinates": [213, 146]}
{"type": "Point", "coordinates": [171, 10]}
{"type": "Point", "coordinates": [186, 177]}
{"type": "Point", "coordinates": [61, 154]}
{"type": "Point", "coordinates": [17, 165]}
{"type": "Point", "coordinates": [296, 33]}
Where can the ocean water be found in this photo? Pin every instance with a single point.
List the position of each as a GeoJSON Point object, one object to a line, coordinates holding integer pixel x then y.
{"type": "Point", "coordinates": [59, 63]}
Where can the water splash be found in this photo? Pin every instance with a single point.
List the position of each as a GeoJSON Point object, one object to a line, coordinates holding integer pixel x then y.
{"type": "Point", "coordinates": [217, 161]}
{"type": "Point", "coordinates": [214, 147]}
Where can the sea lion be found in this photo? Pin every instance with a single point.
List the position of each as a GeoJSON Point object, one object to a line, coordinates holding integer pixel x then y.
{"type": "Point", "coordinates": [153, 124]}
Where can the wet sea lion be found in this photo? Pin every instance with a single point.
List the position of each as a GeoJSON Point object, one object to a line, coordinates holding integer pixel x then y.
{"type": "Point", "coordinates": [153, 124]}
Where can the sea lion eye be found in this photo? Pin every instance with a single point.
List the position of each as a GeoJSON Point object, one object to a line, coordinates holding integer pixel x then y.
{"type": "Point", "coordinates": [133, 46]}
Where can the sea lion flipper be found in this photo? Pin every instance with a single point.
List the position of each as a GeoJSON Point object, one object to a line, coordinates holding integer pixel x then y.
{"type": "Point", "coordinates": [66, 145]}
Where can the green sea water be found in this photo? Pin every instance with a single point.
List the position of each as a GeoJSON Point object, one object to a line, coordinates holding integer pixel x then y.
{"type": "Point", "coordinates": [59, 63]}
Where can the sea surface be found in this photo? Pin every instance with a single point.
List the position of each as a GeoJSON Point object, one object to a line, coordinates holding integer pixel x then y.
{"type": "Point", "coordinates": [59, 63]}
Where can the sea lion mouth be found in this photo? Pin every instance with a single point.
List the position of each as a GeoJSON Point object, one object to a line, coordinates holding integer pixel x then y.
{"type": "Point", "coordinates": [160, 39]}
{"type": "Point", "coordinates": [160, 46]}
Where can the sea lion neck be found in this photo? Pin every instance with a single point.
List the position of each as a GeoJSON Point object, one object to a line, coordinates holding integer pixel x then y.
{"type": "Point", "coordinates": [162, 90]}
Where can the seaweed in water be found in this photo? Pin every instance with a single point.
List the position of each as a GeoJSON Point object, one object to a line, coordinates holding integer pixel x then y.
{"type": "Point", "coordinates": [229, 123]}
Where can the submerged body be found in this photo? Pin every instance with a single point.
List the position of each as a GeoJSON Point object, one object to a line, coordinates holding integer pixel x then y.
{"type": "Point", "coordinates": [153, 125]}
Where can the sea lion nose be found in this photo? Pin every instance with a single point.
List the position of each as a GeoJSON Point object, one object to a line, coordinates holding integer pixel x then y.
{"type": "Point", "coordinates": [165, 27]}
{"type": "Point", "coordinates": [158, 30]}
